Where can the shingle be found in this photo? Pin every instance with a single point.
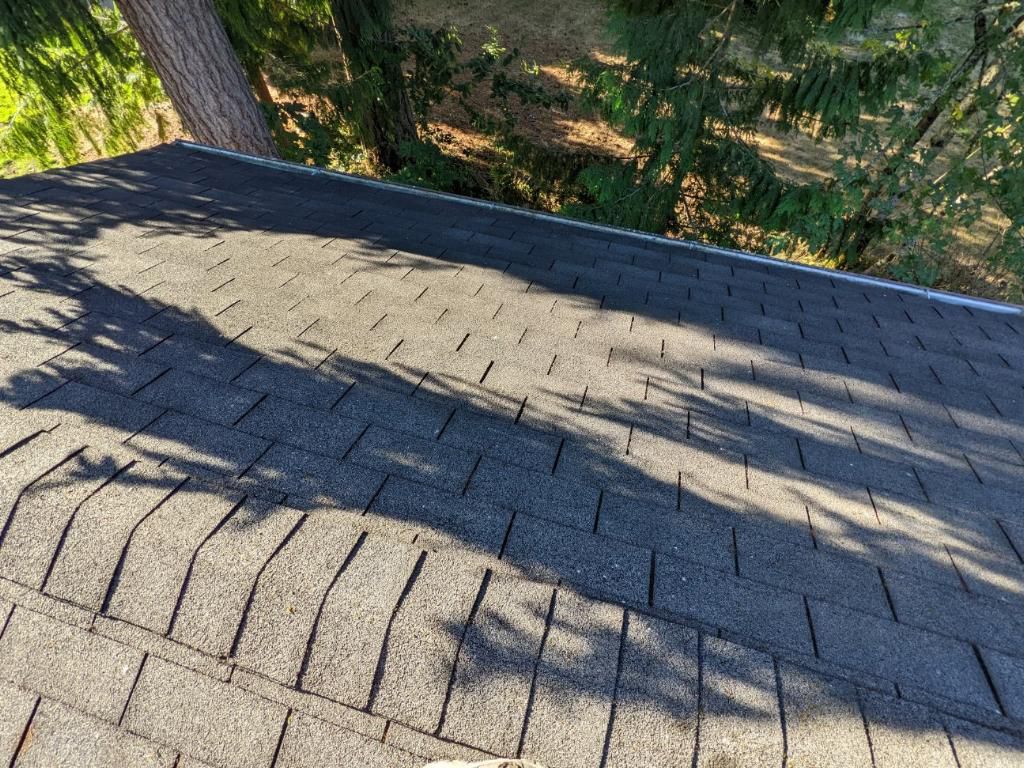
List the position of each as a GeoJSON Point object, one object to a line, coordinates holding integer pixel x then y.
{"type": "Point", "coordinates": [87, 672]}
{"type": "Point", "coordinates": [224, 574]}
{"type": "Point", "coordinates": [310, 479]}
{"type": "Point", "coordinates": [1008, 678]}
{"type": "Point", "coordinates": [494, 674]}
{"type": "Point", "coordinates": [817, 573]}
{"type": "Point", "coordinates": [979, 747]}
{"type": "Point", "coordinates": [18, 706]}
{"type": "Point", "coordinates": [307, 428]}
{"type": "Point", "coordinates": [207, 719]}
{"type": "Point", "coordinates": [158, 559]}
{"type": "Point", "coordinates": [112, 332]}
{"type": "Point", "coordinates": [63, 738]}
{"type": "Point", "coordinates": [423, 641]}
{"type": "Point", "coordinates": [287, 381]}
{"type": "Point", "coordinates": [738, 605]}
{"type": "Point", "coordinates": [99, 532]}
{"type": "Point", "coordinates": [502, 441]}
{"type": "Point", "coordinates": [200, 396]}
{"type": "Point", "coordinates": [656, 709]}
{"type": "Point", "coordinates": [536, 493]}
{"type": "Point", "coordinates": [443, 517]}
{"type": "Point", "coordinates": [740, 723]}
{"type": "Point", "coordinates": [575, 684]}
{"type": "Point", "coordinates": [392, 410]}
{"type": "Point", "coordinates": [957, 613]}
{"type": "Point", "coordinates": [21, 386]}
{"type": "Point", "coordinates": [105, 368]}
{"type": "Point", "coordinates": [287, 598]}
{"type": "Point", "coordinates": [343, 658]}
{"type": "Point", "coordinates": [210, 360]}
{"type": "Point", "coordinates": [36, 526]}
{"type": "Point", "coordinates": [702, 538]}
{"type": "Point", "coordinates": [905, 654]}
{"type": "Point", "coordinates": [423, 461]}
{"type": "Point", "coordinates": [597, 565]}
{"type": "Point", "coordinates": [198, 446]}
{"type": "Point", "coordinates": [119, 302]}
{"type": "Point", "coordinates": [905, 734]}
{"type": "Point", "coordinates": [311, 704]}
{"type": "Point", "coordinates": [824, 725]}
{"type": "Point", "coordinates": [312, 743]}
{"type": "Point", "coordinates": [98, 414]}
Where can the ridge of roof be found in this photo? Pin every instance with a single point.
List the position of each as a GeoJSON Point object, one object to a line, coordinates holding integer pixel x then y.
{"type": "Point", "coordinates": [929, 294]}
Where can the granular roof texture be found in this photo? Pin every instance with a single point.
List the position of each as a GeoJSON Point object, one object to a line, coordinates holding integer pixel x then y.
{"type": "Point", "coordinates": [301, 471]}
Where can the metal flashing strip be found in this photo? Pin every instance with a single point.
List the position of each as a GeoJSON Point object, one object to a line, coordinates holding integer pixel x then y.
{"type": "Point", "coordinates": [944, 297]}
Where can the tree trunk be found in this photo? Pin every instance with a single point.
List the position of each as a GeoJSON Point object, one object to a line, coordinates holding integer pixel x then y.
{"type": "Point", "coordinates": [366, 38]}
{"type": "Point", "coordinates": [391, 121]}
{"type": "Point", "coordinates": [260, 85]}
{"type": "Point", "coordinates": [187, 46]}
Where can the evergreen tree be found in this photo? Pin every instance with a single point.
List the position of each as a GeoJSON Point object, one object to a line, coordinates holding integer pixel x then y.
{"type": "Point", "coordinates": [954, 157]}
{"type": "Point", "coordinates": [70, 74]}
{"type": "Point", "coordinates": [72, 71]}
{"type": "Point", "coordinates": [698, 79]}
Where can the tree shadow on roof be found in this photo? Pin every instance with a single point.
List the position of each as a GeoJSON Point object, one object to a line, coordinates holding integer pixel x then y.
{"type": "Point", "coordinates": [300, 342]}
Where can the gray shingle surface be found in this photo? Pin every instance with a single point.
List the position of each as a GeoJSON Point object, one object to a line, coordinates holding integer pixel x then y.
{"type": "Point", "coordinates": [18, 705]}
{"type": "Point", "coordinates": [824, 726]}
{"type": "Point", "coordinates": [286, 601]}
{"type": "Point", "coordinates": [88, 557]}
{"type": "Point", "coordinates": [37, 523]}
{"type": "Point", "coordinates": [721, 599]}
{"type": "Point", "coordinates": [200, 396]}
{"type": "Point", "coordinates": [224, 573]}
{"type": "Point", "coordinates": [441, 415]}
{"type": "Point", "coordinates": [740, 724]}
{"type": "Point", "coordinates": [64, 738]}
{"type": "Point", "coordinates": [354, 621]}
{"type": "Point", "coordinates": [575, 683]}
{"type": "Point", "coordinates": [205, 718]}
{"type": "Point", "coordinates": [443, 517]}
{"type": "Point", "coordinates": [309, 742]}
{"type": "Point", "coordinates": [423, 640]}
{"type": "Point", "coordinates": [159, 556]}
{"type": "Point", "coordinates": [903, 653]}
{"type": "Point", "coordinates": [605, 567]}
{"type": "Point", "coordinates": [83, 670]}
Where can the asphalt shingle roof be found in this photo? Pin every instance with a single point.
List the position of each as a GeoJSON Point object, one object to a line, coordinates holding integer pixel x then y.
{"type": "Point", "coordinates": [296, 470]}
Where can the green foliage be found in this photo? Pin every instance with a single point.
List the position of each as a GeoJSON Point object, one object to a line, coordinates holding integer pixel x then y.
{"type": "Point", "coordinates": [371, 86]}
{"type": "Point", "coordinates": [425, 165]}
{"type": "Point", "coordinates": [929, 133]}
{"type": "Point", "coordinates": [70, 76]}
{"type": "Point", "coordinates": [694, 87]}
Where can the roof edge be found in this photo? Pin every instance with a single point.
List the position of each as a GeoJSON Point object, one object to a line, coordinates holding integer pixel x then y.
{"type": "Point", "coordinates": [944, 297]}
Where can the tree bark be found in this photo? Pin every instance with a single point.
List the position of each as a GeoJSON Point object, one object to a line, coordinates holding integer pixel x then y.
{"type": "Point", "coordinates": [185, 42]}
